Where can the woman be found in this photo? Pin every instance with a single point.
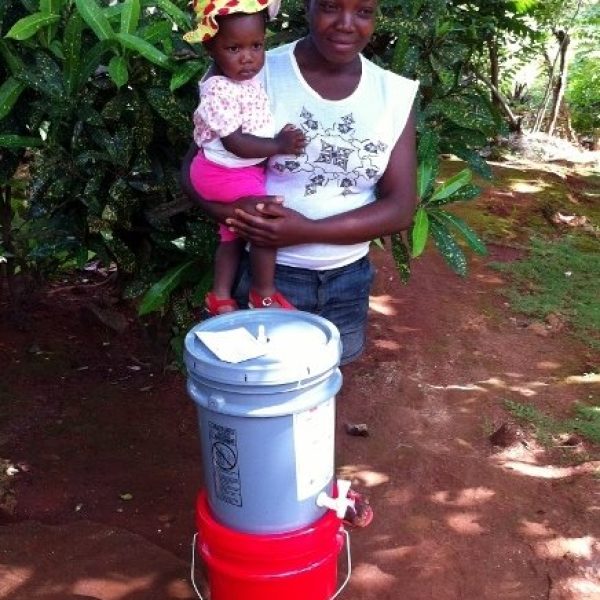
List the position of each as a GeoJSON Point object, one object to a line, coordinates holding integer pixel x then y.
{"type": "Point", "coordinates": [355, 180]}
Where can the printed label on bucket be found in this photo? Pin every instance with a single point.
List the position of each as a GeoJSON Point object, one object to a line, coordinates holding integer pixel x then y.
{"type": "Point", "coordinates": [225, 468]}
{"type": "Point", "coordinates": [314, 447]}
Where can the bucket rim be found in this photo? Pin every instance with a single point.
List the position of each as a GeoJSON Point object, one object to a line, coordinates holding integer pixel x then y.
{"type": "Point", "coordinates": [307, 540]}
{"type": "Point", "coordinates": [273, 368]}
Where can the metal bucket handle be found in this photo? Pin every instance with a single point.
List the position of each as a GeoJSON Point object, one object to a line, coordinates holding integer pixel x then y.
{"type": "Point", "coordinates": [339, 591]}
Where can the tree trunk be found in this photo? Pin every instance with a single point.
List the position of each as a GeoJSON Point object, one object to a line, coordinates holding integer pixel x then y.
{"type": "Point", "coordinates": [561, 80]}
{"type": "Point", "coordinates": [572, 136]}
{"type": "Point", "coordinates": [492, 44]}
{"type": "Point", "coordinates": [541, 113]}
{"type": "Point", "coordinates": [514, 121]}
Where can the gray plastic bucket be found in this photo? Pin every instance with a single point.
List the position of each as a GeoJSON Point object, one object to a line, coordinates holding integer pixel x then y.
{"type": "Point", "coordinates": [267, 424]}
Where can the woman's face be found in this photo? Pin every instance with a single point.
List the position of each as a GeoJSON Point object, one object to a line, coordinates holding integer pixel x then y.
{"type": "Point", "coordinates": [340, 29]}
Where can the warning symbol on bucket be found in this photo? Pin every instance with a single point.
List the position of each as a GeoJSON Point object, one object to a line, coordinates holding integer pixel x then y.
{"type": "Point", "coordinates": [225, 470]}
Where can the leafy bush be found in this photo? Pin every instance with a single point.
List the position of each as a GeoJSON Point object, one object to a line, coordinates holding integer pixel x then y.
{"type": "Point", "coordinates": [101, 95]}
{"type": "Point", "coordinates": [109, 90]}
{"type": "Point", "coordinates": [583, 93]}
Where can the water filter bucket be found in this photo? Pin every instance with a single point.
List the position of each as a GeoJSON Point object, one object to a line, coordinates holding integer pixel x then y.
{"type": "Point", "coordinates": [298, 565]}
{"type": "Point", "coordinates": [266, 423]}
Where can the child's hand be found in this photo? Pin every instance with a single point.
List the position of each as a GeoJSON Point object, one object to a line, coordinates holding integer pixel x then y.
{"type": "Point", "coordinates": [290, 140]}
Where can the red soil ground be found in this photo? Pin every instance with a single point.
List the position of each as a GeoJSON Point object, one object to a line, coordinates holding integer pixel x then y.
{"type": "Point", "coordinates": [101, 460]}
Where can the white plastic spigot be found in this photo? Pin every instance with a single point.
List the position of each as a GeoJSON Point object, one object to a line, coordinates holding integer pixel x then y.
{"type": "Point", "coordinates": [261, 337]}
{"type": "Point", "coordinates": [339, 504]}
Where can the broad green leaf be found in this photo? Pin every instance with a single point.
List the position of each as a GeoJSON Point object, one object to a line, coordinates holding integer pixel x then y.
{"type": "Point", "coordinates": [472, 138]}
{"type": "Point", "coordinates": [142, 47]}
{"type": "Point", "coordinates": [113, 12]}
{"type": "Point", "coordinates": [467, 192]}
{"type": "Point", "coordinates": [469, 111]}
{"type": "Point", "coordinates": [96, 20]}
{"type": "Point", "coordinates": [56, 48]}
{"type": "Point", "coordinates": [158, 295]}
{"type": "Point", "coordinates": [46, 7]}
{"type": "Point", "coordinates": [166, 105]}
{"type": "Point", "coordinates": [401, 257]}
{"type": "Point", "coordinates": [46, 78]}
{"type": "Point", "coordinates": [51, 7]}
{"type": "Point", "coordinates": [130, 16]}
{"type": "Point", "coordinates": [72, 50]}
{"type": "Point", "coordinates": [420, 231]}
{"type": "Point", "coordinates": [425, 175]}
{"type": "Point", "coordinates": [476, 162]}
{"type": "Point", "coordinates": [124, 257]}
{"type": "Point", "coordinates": [180, 18]}
{"type": "Point", "coordinates": [111, 145]}
{"type": "Point", "coordinates": [93, 60]}
{"type": "Point", "coordinates": [19, 141]}
{"type": "Point", "coordinates": [117, 69]}
{"type": "Point", "coordinates": [475, 243]}
{"type": "Point", "coordinates": [10, 91]}
{"type": "Point", "coordinates": [156, 32]}
{"type": "Point", "coordinates": [30, 25]}
{"type": "Point", "coordinates": [448, 247]}
{"type": "Point", "coordinates": [144, 130]}
{"type": "Point", "coordinates": [184, 73]}
{"type": "Point", "coordinates": [452, 185]}
{"type": "Point", "coordinates": [401, 47]}
{"type": "Point", "coordinates": [14, 62]}
{"type": "Point", "coordinates": [428, 148]}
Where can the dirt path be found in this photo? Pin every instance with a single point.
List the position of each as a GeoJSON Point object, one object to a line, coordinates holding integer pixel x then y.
{"type": "Point", "coordinates": [91, 430]}
{"type": "Point", "coordinates": [456, 518]}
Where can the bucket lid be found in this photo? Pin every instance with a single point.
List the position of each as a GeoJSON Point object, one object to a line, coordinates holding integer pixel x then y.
{"type": "Point", "coordinates": [297, 345]}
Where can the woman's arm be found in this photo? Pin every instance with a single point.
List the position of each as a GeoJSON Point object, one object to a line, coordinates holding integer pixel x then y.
{"type": "Point", "coordinates": [392, 211]}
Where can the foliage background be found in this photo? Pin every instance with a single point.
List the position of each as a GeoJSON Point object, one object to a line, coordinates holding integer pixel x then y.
{"type": "Point", "coordinates": [96, 100]}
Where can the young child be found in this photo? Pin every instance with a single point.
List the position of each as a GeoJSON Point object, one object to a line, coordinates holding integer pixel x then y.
{"type": "Point", "coordinates": [233, 129]}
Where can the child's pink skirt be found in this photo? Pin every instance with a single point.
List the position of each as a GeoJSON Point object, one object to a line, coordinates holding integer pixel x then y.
{"type": "Point", "coordinates": [218, 183]}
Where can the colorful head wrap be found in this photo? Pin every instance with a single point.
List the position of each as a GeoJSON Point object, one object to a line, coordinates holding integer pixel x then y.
{"type": "Point", "coordinates": [207, 11]}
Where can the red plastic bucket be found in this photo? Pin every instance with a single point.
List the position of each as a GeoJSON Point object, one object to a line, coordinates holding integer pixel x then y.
{"type": "Point", "coordinates": [296, 565]}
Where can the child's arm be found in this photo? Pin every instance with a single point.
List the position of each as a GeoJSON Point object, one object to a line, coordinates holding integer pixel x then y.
{"type": "Point", "coordinates": [289, 140]}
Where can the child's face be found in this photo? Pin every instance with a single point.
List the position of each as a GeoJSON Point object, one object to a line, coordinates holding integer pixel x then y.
{"type": "Point", "coordinates": [238, 48]}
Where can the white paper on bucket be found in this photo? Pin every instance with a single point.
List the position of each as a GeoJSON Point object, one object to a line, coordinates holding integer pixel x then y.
{"type": "Point", "coordinates": [233, 345]}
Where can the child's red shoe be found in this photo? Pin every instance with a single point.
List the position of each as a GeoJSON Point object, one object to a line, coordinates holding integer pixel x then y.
{"type": "Point", "coordinates": [276, 300]}
{"type": "Point", "coordinates": [215, 306]}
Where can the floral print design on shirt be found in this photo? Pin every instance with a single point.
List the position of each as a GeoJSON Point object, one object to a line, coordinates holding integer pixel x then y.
{"type": "Point", "coordinates": [334, 155]}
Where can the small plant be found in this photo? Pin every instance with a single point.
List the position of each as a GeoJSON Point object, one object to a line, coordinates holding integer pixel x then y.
{"type": "Point", "coordinates": [431, 218]}
{"type": "Point", "coordinates": [585, 421]}
{"type": "Point", "coordinates": [545, 428]}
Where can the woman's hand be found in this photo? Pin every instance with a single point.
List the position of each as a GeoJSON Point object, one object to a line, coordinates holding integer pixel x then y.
{"type": "Point", "coordinates": [270, 224]}
{"type": "Point", "coordinates": [249, 204]}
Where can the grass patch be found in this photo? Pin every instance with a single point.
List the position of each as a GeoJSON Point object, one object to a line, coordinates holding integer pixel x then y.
{"type": "Point", "coordinates": [560, 277]}
{"type": "Point", "coordinates": [585, 421]}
